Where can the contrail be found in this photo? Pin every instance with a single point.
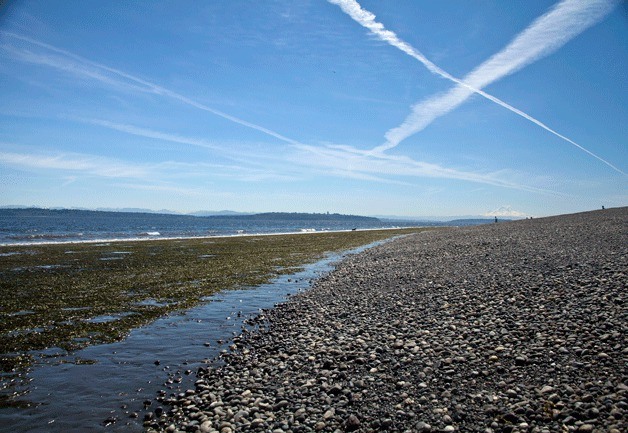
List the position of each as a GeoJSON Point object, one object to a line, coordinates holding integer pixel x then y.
{"type": "Point", "coordinates": [147, 86]}
{"type": "Point", "coordinates": [545, 35]}
{"type": "Point", "coordinates": [369, 163]}
{"type": "Point", "coordinates": [150, 133]}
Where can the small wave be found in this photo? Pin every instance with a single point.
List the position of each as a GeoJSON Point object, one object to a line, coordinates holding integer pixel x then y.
{"type": "Point", "coordinates": [150, 234]}
{"type": "Point", "coordinates": [44, 236]}
{"type": "Point", "coordinates": [307, 230]}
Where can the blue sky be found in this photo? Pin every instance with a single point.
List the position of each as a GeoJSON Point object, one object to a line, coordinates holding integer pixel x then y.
{"type": "Point", "coordinates": [410, 108]}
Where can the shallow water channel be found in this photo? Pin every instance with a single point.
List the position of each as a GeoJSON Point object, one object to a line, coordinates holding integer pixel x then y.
{"type": "Point", "coordinates": [108, 386]}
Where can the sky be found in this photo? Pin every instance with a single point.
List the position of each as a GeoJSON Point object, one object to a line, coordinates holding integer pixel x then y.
{"type": "Point", "coordinates": [407, 108]}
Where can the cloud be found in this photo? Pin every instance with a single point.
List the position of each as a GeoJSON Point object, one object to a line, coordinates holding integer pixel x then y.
{"type": "Point", "coordinates": [80, 66]}
{"type": "Point", "coordinates": [75, 163]}
{"type": "Point", "coordinates": [243, 154]}
{"type": "Point", "coordinates": [162, 188]}
{"type": "Point", "coordinates": [72, 166]}
{"type": "Point", "coordinates": [348, 161]}
{"type": "Point", "coordinates": [331, 160]}
{"type": "Point", "coordinates": [545, 35]}
{"type": "Point", "coordinates": [242, 173]}
{"type": "Point", "coordinates": [341, 161]}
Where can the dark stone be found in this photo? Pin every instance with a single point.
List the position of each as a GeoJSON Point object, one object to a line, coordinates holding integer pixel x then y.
{"type": "Point", "coordinates": [511, 418]}
{"type": "Point", "coordinates": [352, 423]}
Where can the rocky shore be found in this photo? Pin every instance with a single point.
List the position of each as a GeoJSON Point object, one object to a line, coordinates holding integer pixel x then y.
{"type": "Point", "coordinates": [508, 327]}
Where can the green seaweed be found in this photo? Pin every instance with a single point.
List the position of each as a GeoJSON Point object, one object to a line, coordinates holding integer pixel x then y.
{"type": "Point", "coordinates": [73, 295]}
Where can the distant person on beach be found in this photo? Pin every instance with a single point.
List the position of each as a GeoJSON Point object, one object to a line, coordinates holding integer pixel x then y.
{"type": "Point", "coordinates": [495, 219]}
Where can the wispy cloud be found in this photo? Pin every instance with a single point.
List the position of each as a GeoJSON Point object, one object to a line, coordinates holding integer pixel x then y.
{"type": "Point", "coordinates": [75, 163]}
{"type": "Point", "coordinates": [341, 161]}
{"type": "Point", "coordinates": [348, 161]}
{"type": "Point", "coordinates": [80, 66]}
{"type": "Point", "coordinates": [545, 35]}
{"type": "Point", "coordinates": [162, 188]}
{"type": "Point", "coordinates": [151, 133]}
{"type": "Point", "coordinates": [332, 160]}
{"type": "Point", "coordinates": [249, 165]}
{"type": "Point", "coordinates": [72, 166]}
{"type": "Point", "coordinates": [241, 172]}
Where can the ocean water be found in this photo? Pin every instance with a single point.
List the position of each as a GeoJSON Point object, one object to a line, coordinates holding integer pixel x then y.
{"type": "Point", "coordinates": [26, 226]}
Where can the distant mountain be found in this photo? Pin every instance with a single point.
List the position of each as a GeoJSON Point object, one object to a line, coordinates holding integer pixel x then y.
{"type": "Point", "coordinates": [137, 210]}
{"type": "Point", "coordinates": [204, 213]}
{"type": "Point", "coordinates": [507, 212]}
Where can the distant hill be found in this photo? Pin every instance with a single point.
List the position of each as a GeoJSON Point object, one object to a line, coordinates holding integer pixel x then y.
{"type": "Point", "coordinates": [136, 210]}
{"type": "Point", "coordinates": [296, 216]}
{"type": "Point", "coordinates": [61, 212]}
{"type": "Point", "coordinates": [138, 213]}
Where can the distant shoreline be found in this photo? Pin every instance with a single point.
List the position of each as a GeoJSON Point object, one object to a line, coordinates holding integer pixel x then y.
{"type": "Point", "coordinates": [183, 238]}
{"type": "Point", "coordinates": [35, 226]}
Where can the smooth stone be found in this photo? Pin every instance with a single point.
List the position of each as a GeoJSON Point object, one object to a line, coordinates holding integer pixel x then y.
{"type": "Point", "coordinates": [422, 426]}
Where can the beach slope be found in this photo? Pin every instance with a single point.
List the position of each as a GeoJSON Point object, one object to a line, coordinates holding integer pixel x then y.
{"type": "Point", "coordinates": [508, 327]}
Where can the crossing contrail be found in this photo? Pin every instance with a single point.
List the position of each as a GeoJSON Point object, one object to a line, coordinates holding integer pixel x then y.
{"type": "Point", "coordinates": [545, 35]}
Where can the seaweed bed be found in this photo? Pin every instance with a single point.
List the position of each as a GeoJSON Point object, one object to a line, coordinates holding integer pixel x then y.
{"type": "Point", "coordinates": [72, 295]}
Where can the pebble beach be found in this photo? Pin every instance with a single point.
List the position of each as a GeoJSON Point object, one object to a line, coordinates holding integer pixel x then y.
{"type": "Point", "coordinates": [508, 327]}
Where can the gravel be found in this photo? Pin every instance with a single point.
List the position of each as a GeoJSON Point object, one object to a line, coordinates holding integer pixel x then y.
{"type": "Point", "coordinates": [508, 327]}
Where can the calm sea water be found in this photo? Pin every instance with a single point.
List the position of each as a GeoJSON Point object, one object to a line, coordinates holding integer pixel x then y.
{"type": "Point", "coordinates": [43, 225]}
